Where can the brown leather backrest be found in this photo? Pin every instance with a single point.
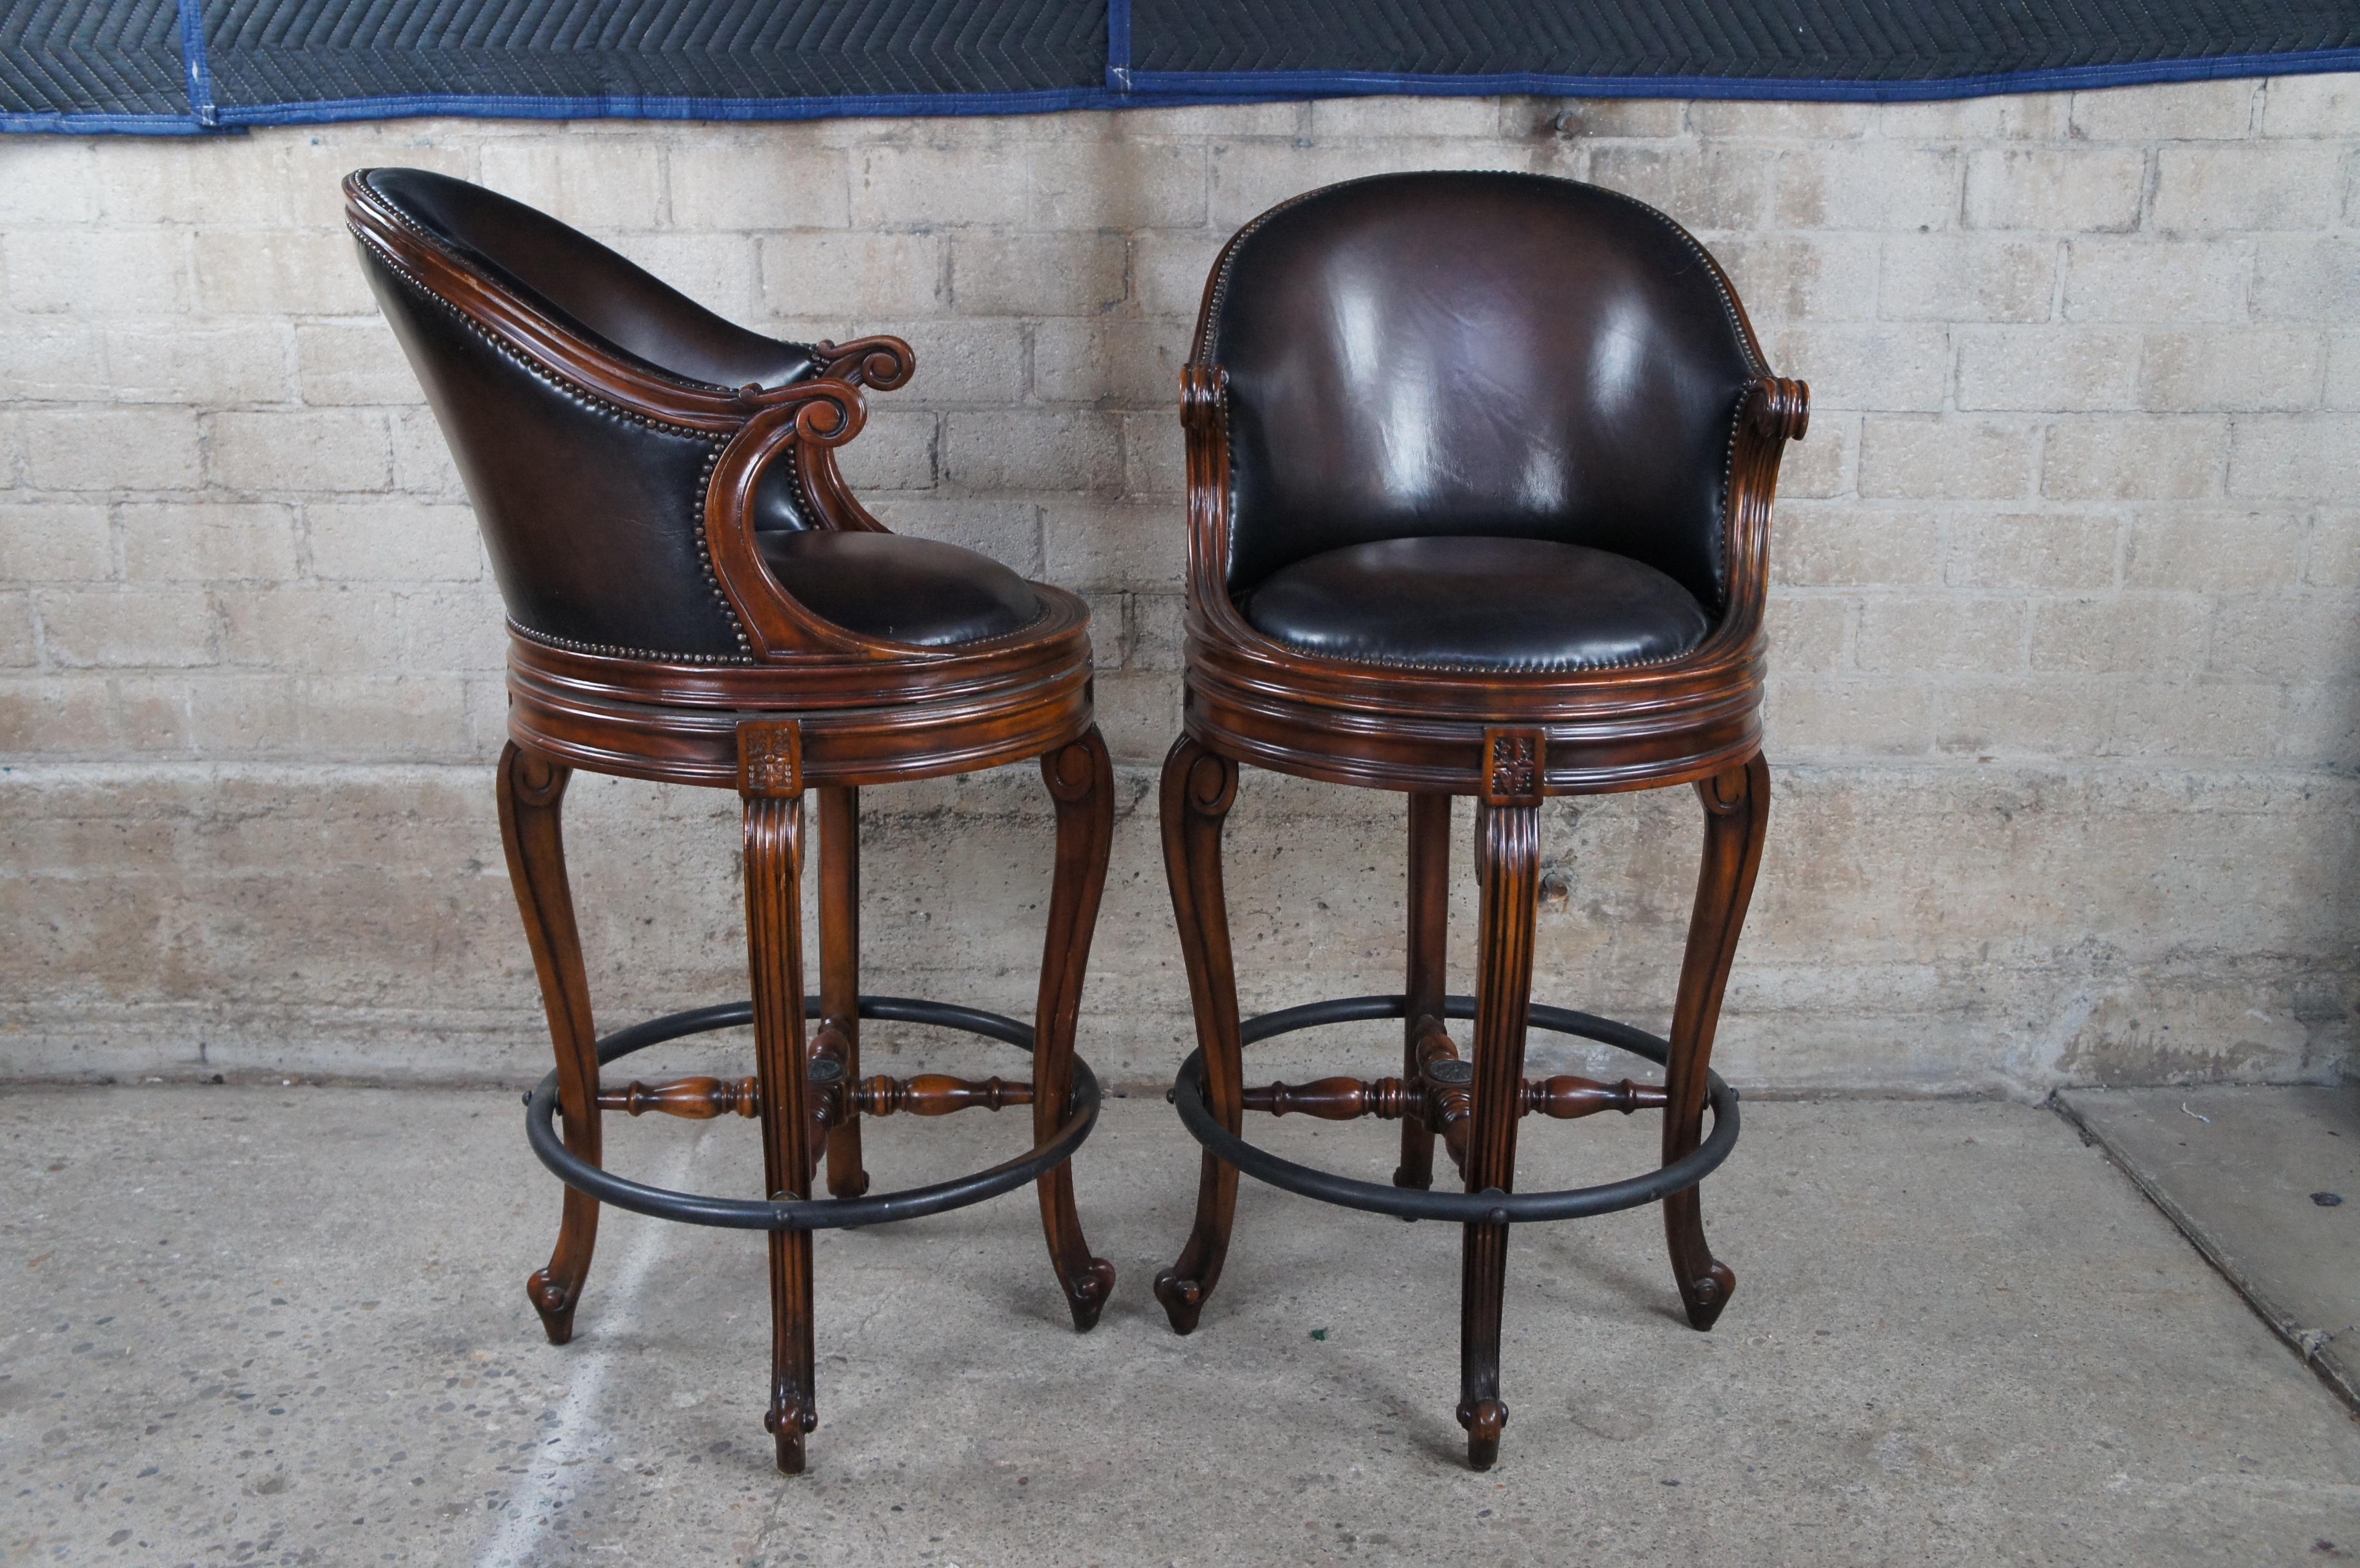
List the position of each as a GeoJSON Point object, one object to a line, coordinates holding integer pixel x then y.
{"type": "Point", "coordinates": [1511, 354]}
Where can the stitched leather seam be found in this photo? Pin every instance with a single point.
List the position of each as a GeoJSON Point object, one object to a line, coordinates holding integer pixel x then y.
{"type": "Point", "coordinates": [609, 650]}
{"type": "Point", "coordinates": [588, 399]}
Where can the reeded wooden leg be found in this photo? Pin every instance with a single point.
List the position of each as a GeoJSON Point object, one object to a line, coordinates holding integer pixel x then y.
{"type": "Point", "coordinates": [532, 797]}
{"type": "Point", "coordinates": [770, 779]}
{"type": "Point", "coordinates": [1510, 847]}
{"type": "Point", "coordinates": [1429, 934]}
{"type": "Point", "coordinates": [1737, 816]}
{"type": "Point", "coordinates": [1199, 787]}
{"type": "Point", "coordinates": [1081, 779]}
{"type": "Point", "coordinates": [839, 971]}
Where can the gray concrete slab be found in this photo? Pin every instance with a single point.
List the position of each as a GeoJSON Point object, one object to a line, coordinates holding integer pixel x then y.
{"type": "Point", "coordinates": [2265, 1180]}
{"type": "Point", "coordinates": [286, 1325]}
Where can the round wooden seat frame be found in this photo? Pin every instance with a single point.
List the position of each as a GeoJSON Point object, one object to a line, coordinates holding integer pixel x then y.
{"type": "Point", "coordinates": [1511, 740]}
{"type": "Point", "coordinates": [805, 707]}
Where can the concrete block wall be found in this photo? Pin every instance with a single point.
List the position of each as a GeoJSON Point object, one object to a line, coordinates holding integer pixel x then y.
{"type": "Point", "coordinates": [2067, 664]}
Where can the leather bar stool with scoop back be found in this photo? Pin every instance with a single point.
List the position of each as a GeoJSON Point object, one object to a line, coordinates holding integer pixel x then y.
{"type": "Point", "coordinates": [1480, 477]}
{"type": "Point", "coordinates": [694, 596]}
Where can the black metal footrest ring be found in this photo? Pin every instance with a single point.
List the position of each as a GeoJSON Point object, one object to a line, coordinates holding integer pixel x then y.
{"type": "Point", "coordinates": [809, 1213]}
{"type": "Point", "coordinates": [1489, 1207]}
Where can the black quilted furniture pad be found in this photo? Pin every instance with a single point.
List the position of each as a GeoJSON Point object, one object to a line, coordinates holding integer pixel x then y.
{"type": "Point", "coordinates": [98, 59]}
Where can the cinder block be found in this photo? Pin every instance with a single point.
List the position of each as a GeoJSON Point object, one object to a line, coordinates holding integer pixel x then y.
{"type": "Point", "coordinates": [1870, 185]}
{"type": "Point", "coordinates": [1838, 545]}
{"type": "Point", "coordinates": [2142, 459]}
{"type": "Point", "coordinates": [1343, 119]}
{"type": "Point", "coordinates": [1119, 183]}
{"type": "Point", "coordinates": [720, 272]}
{"type": "Point", "coordinates": [1139, 714]}
{"type": "Point", "coordinates": [598, 183]}
{"type": "Point", "coordinates": [2306, 280]}
{"type": "Point", "coordinates": [2055, 717]}
{"type": "Point", "coordinates": [2173, 111]}
{"type": "Point", "coordinates": [934, 185]}
{"type": "Point", "coordinates": [2056, 368]}
{"type": "Point", "coordinates": [2321, 728]}
{"type": "Point", "coordinates": [1966, 277]}
{"type": "Point", "coordinates": [976, 361]}
{"type": "Point", "coordinates": [16, 628]}
{"type": "Point", "coordinates": [2308, 636]}
{"type": "Point", "coordinates": [311, 449]}
{"type": "Point", "coordinates": [352, 362]}
{"type": "Point", "coordinates": [55, 542]}
{"type": "Point", "coordinates": [451, 629]}
{"type": "Point", "coordinates": [2341, 390]}
{"type": "Point", "coordinates": [2215, 189]}
{"type": "Point", "coordinates": [148, 715]}
{"type": "Point", "coordinates": [2248, 369]}
{"type": "Point", "coordinates": [280, 273]}
{"type": "Point", "coordinates": [97, 271]}
{"type": "Point", "coordinates": [1141, 545]}
{"type": "Point", "coordinates": [2130, 634]}
{"type": "Point", "coordinates": [314, 161]}
{"type": "Point", "coordinates": [1212, 120]}
{"type": "Point", "coordinates": [1823, 466]}
{"type": "Point", "coordinates": [1007, 531]}
{"type": "Point", "coordinates": [421, 458]}
{"type": "Point", "coordinates": [1808, 632]}
{"type": "Point", "coordinates": [51, 179]}
{"type": "Point", "coordinates": [895, 451]}
{"type": "Point", "coordinates": [1037, 274]}
{"type": "Point", "coordinates": [771, 182]}
{"type": "Point", "coordinates": [1590, 118]}
{"type": "Point", "coordinates": [1155, 632]}
{"type": "Point", "coordinates": [207, 366]}
{"type": "Point", "coordinates": [2333, 558]}
{"type": "Point", "coordinates": [2010, 117]}
{"type": "Point", "coordinates": [2078, 190]}
{"type": "Point", "coordinates": [1702, 187]}
{"type": "Point", "coordinates": [309, 629]}
{"type": "Point", "coordinates": [2323, 105]}
{"type": "Point", "coordinates": [1909, 456]}
{"type": "Point", "coordinates": [849, 277]}
{"type": "Point", "coordinates": [51, 358]}
{"type": "Point", "coordinates": [2155, 281]}
{"type": "Point", "coordinates": [2212, 551]}
{"type": "Point", "coordinates": [1827, 278]}
{"type": "Point", "coordinates": [1835, 718]}
{"type": "Point", "coordinates": [224, 180]}
{"type": "Point", "coordinates": [392, 541]}
{"type": "Point", "coordinates": [237, 717]}
{"type": "Point", "coordinates": [1154, 458]}
{"type": "Point", "coordinates": [2033, 549]}
{"type": "Point", "coordinates": [1939, 634]}
{"type": "Point", "coordinates": [111, 448]}
{"type": "Point", "coordinates": [1755, 119]}
{"type": "Point", "coordinates": [120, 626]}
{"type": "Point", "coordinates": [1168, 270]}
{"type": "Point", "coordinates": [400, 718]}
{"type": "Point", "coordinates": [1879, 366]}
{"type": "Point", "coordinates": [1030, 449]}
{"type": "Point", "coordinates": [2192, 718]}
{"type": "Point", "coordinates": [55, 716]}
{"type": "Point", "coordinates": [1251, 177]}
{"type": "Point", "coordinates": [1115, 362]}
{"type": "Point", "coordinates": [2283, 458]}
{"type": "Point", "coordinates": [194, 541]}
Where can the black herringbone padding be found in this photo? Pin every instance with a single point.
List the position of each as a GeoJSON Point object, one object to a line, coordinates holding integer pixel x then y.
{"type": "Point", "coordinates": [266, 52]}
{"type": "Point", "coordinates": [1808, 40]}
{"type": "Point", "coordinates": [90, 57]}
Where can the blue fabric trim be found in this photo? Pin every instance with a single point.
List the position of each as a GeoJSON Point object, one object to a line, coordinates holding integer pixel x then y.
{"type": "Point", "coordinates": [1163, 84]}
{"type": "Point", "coordinates": [198, 68]}
{"type": "Point", "coordinates": [1118, 74]}
{"type": "Point", "coordinates": [56, 123]}
{"type": "Point", "coordinates": [630, 107]}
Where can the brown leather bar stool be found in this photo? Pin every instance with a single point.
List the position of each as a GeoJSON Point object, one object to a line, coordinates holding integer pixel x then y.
{"type": "Point", "coordinates": [1480, 478]}
{"type": "Point", "coordinates": [694, 596]}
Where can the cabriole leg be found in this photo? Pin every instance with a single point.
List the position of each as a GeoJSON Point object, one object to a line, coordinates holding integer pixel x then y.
{"type": "Point", "coordinates": [1737, 816]}
{"type": "Point", "coordinates": [769, 777]}
{"type": "Point", "coordinates": [1081, 779]}
{"type": "Point", "coordinates": [840, 971]}
{"type": "Point", "coordinates": [532, 797]}
{"type": "Point", "coordinates": [1199, 786]}
{"type": "Point", "coordinates": [1429, 934]}
{"type": "Point", "coordinates": [1510, 847]}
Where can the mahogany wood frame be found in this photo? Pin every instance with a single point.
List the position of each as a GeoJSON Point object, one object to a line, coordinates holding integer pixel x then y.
{"type": "Point", "coordinates": [1511, 740]}
{"type": "Point", "coordinates": [814, 709]}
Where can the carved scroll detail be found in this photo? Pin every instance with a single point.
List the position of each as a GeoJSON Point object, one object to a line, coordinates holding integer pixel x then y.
{"type": "Point", "coordinates": [1515, 767]}
{"type": "Point", "coordinates": [881, 363]}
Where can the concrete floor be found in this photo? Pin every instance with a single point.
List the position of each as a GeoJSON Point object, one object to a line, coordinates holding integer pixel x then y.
{"type": "Point", "coordinates": [266, 1324]}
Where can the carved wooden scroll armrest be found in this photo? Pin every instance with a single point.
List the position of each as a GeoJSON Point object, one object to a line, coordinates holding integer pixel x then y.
{"type": "Point", "coordinates": [814, 417]}
{"type": "Point", "coordinates": [1775, 410]}
{"type": "Point", "coordinates": [881, 363]}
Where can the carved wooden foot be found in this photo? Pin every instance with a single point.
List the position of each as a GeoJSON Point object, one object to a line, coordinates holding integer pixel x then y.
{"type": "Point", "coordinates": [532, 797]}
{"type": "Point", "coordinates": [1199, 786]}
{"type": "Point", "coordinates": [770, 778]}
{"type": "Point", "coordinates": [1737, 818]}
{"type": "Point", "coordinates": [839, 973]}
{"type": "Point", "coordinates": [1429, 933]}
{"type": "Point", "coordinates": [1081, 779]}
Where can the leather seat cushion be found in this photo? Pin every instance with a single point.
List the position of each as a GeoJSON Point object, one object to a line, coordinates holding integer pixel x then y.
{"type": "Point", "coordinates": [897, 588]}
{"type": "Point", "coordinates": [1478, 604]}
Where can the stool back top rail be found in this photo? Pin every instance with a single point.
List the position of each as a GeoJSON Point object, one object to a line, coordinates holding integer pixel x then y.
{"type": "Point", "coordinates": [696, 596]}
{"type": "Point", "coordinates": [1480, 477]}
